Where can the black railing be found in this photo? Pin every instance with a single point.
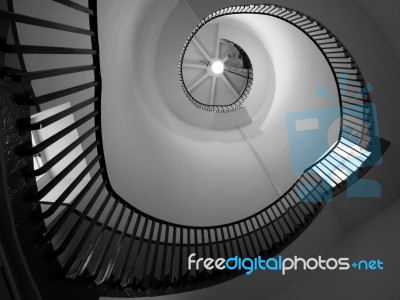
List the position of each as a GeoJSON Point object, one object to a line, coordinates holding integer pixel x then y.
{"type": "Point", "coordinates": [96, 237]}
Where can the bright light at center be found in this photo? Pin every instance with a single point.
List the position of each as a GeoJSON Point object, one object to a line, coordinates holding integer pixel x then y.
{"type": "Point", "coordinates": [217, 67]}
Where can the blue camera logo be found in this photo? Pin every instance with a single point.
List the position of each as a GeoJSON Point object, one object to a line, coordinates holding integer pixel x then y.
{"type": "Point", "coordinates": [311, 135]}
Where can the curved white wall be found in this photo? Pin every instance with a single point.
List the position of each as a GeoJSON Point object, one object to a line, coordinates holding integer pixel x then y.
{"type": "Point", "coordinates": [173, 169]}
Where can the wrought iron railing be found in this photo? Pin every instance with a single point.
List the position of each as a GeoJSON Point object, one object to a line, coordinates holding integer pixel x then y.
{"type": "Point", "coordinates": [96, 237]}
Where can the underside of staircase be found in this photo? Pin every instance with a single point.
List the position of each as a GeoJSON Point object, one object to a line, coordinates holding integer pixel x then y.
{"type": "Point", "coordinates": [88, 241]}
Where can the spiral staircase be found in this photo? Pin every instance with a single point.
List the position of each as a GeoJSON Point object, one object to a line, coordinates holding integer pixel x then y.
{"type": "Point", "coordinates": [67, 233]}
